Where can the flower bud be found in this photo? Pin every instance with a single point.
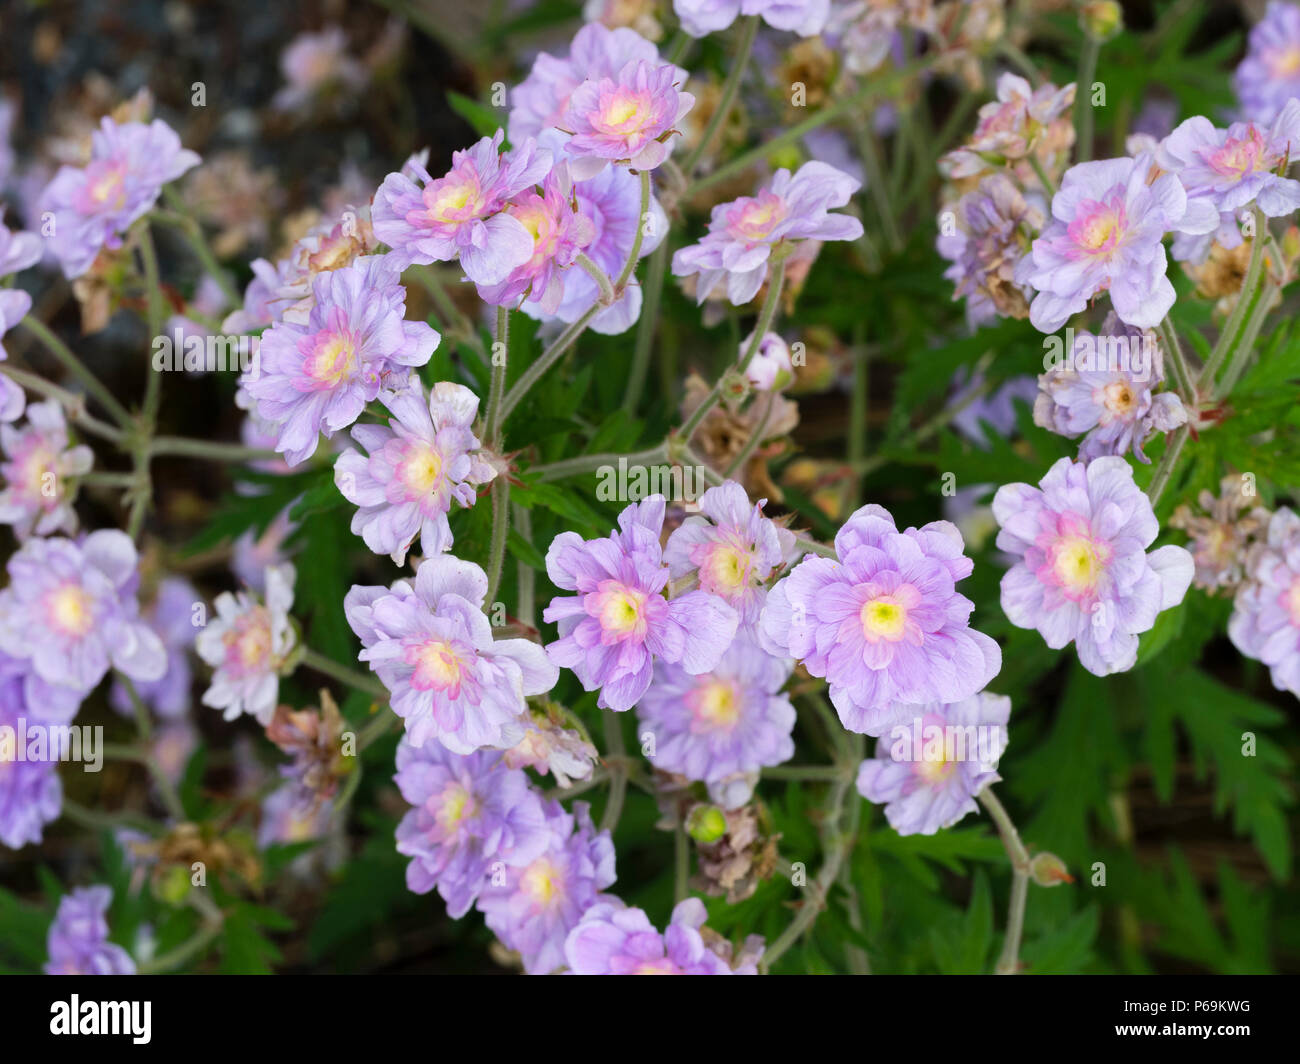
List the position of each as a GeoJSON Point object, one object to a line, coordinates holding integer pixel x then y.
{"type": "Point", "coordinates": [1048, 870]}
{"type": "Point", "coordinates": [1101, 19]}
{"type": "Point", "coordinates": [706, 824]}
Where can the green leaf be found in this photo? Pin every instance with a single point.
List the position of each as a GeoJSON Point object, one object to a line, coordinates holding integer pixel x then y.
{"type": "Point", "coordinates": [484, 120]}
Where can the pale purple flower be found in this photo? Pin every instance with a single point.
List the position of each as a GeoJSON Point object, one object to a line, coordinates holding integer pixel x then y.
{"type": "Point", "coordinates": [560, 231]}
{"type": "Point", "coordinates": [991, 229]}
{"type": "Point", "coordinates": [771, 368]}
{"type": "Point", "coordinates": [611, 201]}
{"type": "Point", "coordinates": [1268, 78]}
{"type": "Point", "coordinates": [78, 940]}
{"type": "Point", "coordinates": [431, 644]}
{"type": "Point", "coordinates": [286, 819]}
{"type": "Point", "coordinates": [883, 624]}
{"type": "Point", "coordinates": [1105, 234]}
{"type": "Point", "coordinates": [995, 410]}
{"type": "Point", "coordinates": [18, 250]}
{"type": "Point", "coordinates": [554, 742]}
{"type": "Point", "coordinates": [93, 206]}
{"type": "Point", "coordinates": [730, 722]}
{"type": "Point", "coordinates": [702, 17]}
{"type": "Point", "coordinates": [1105, 389]}
{"type": "Point", "coordinates": [263, 304]}
{"type": "Point", "coordinates": [253, 555]}
{"type": "Point", "coordinates": [615, 940]}
{"type": "Point", "coordinates": [1021, 122]}
{"type": "Point", "coordinates": [31, 794]}
{"type": "Point", "coordinates": [14, 305]}
{"type": "Point", "coordinates": [743, 232]}
{"type": "Point", "coordinates": [470, 816]}
{"type": "Point", "coordinates": [625, 118]}
{"type": "Point", "coordinates": [37, 494]}
{"type": "Point", "coordinates": [532, 907]}
{"type": "Point", "coordinates": [540, 100]}
{"type": "Point", "coordinates": [1083, 573]}
{"type": "Point", "coordinates": [71, 608]}
{"type": "Point", "coordinates": [1265, 622]}
{"type": "Point", "coordinates": [318, 376]}
{"type": "Point", "coordinates": [423, 460]}
{"type": "Point", "coordinates": [619, 621]}
{"type": "Point", "coordinates": [934, 760]}
{"type": "Point", "coordinates": [172, 616]}
{"type": "Point", "coordinates": [313, 63]}
{"type": "Point", "coordinates": [462, 214]}
{"type": "Point", "coordinates": [1239, 166]}
{"type": "Point", "coordinates": [248, 644]}
{"type": "Point", "coordinates": [730, 548]}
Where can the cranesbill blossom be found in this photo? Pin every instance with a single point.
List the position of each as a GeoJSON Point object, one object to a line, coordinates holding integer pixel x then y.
{"type": "Point", "coordinates": [468, 813]}
{"type": "Point", "coordinates": [31, 794]}
{"type": "Point", "coordinates": [1083, 573]}
{"type": "Point", "coordinates": [18, 250]}
{"type": "Point", "coordinates": [771, 368]}
{"type": "Point", "coordinates": [615, 940]}
{"type": "Point", "coordinates": [702, 17]}
{"type": "Point", "coordinates": [1268, 78]}
{"type": "Point", "coordinates": [336, 242]}
{"type": "Point", "coordinates": [883, 624]}
{"type": "Point", "coordinates": [93, 206]}
{"type": "Point", "coordinates": [318, 376]}
{"type": "Point", "coordinates": [423, 460]}
{"type": "Point", "coordinates": [626, 118]}
{"type": "Point", "coordinates": [993, 225]}
{"type": "Point", "coordinates": [1106, 391]}
{"type": "Point", "coordinates": [611, 201]}
{"type": "Point", "coordinates": [172, 616]}
{"type": "Point", "coordinates": [263, 304]}
{"type": "Point", "coordinates": [540, 902]}
{"type": "Point", "coordinates": [619, 621]}
{"type": "Point", "coordinates": [1222, 535]}
{"type": "Point", "coordinates": [313, 63]}
{"type": "Point", "coordinates": [1265, 622]}
{"type": "Point", "coordinates": [539, 101]}
{"type": "Point", "coordinates": [560, 230]}
{"type": "Point", "coordinates": [1105, 234]}
{"type": "Point", "coordinates": [39, 462]}
{"type": "Point", "coordinates": [71, 608]}
{"type": "Point", "coordinates": [248, 644]}
{"type": "Point", "coordinates": [732, 549]}
{"type": "Point", "coordinates": [78, 940]}
{"type": "Point", "coordinates": [1021, 122]}
{"type": "Point", "coordinates": [934, 760]}
{"type": "Point", "coordinates": [1235, 167]}
{"type": "Point", "coordinates": [462, 214]}
{"type": "Point", "coordinates": [729, 722]}
{"type": "Point", "coordinates": [431, 644]}
{"type": "Point", "coordinates": [14, 305]}
{"type": "Point", "coordinates": [743, 232]}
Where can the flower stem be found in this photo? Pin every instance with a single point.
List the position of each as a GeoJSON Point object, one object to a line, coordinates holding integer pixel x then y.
{"type": "Point", "coordinates": [497, 387]}
{"type": "Point", "coordinates": [329, 667]}
{"type": "Point", "coordinates": [774, 285]}
{"type": "Point", "coordinates": [210, 450]}
{"type": "Point", "coordinates": [1009, 961]}
{"type": "Point", "coordinates": [1228, 337]}
{"type": "Point", "coordinates": [500, 529]}
{"type": "Point", "coordinates": [1165, 467]}
{"type": "Point", "coordinates": [614, 752]}
{"type": "Point", "coordinates": [601, 278]}
{"type": "Point", "coordinates": [749, 30]}
{"type": "Point", "coordinates": [1083, 118]}
{"type": "Point", "coordinates": [1182, 376]}
{"type": "Point", "coordinates": [74, 365]}
{"type": "Point", "coordinates": [651, 292]}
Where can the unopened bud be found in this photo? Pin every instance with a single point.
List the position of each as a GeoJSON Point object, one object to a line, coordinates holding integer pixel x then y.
{"type": "Point", "coordinates": [1048, 870]}
{"type": "Point", "coordinates": [706, 824]}
{"type": "Point", "coordinates": [172, 886]}
{"type": "Point", "coordinates": [1101, 19]}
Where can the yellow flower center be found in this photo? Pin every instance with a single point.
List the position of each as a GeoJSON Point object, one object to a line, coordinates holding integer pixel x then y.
{"type": "Point", "coordinates": [333, 359]}
{"type": "Point", "coordinates": [716, 703]}
{"type": "Point", "coordinates": [71, 609]}
{"type": "Point", "coordinates": [421, 470]}
{"type": "Point", "coordinates": [883, 618]}
{"type": "Point", "coordinates": [1077, 564]}
{"type": "Point", "coordinates": [541, 881]}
